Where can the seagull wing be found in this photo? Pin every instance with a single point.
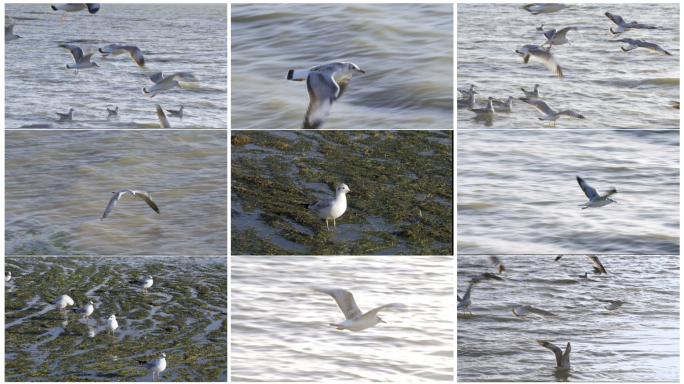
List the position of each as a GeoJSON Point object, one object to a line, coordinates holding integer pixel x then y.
{"type": "Point", "coordinates": [589, 191]}
{"type": "Point", "coordinates": [186, 76]}
{"type": "Point", "coordinates": [162, 118]}
{"type": "Point", "coordinates": [549, 34]}
{"type": "Point", "coordinates": [652, 47]}
{"type": "Point", "coordinates": [112, 203]}
{"type": "Point", "coordinates": [466, 297]}
{"type": "Point", "coordinates": [565, 361]}
{"type": "Point", "coordinates": [629, 41]}
{"type": "Point", "coordinates": [547, 58]}
{"type": "Point", "coordinates": [615, 19]}
{"type": "Point", "coordinates": [157, 77]}
{"type": "Point", "coordinates": [342, 83]}
{"type": "Point", "coordinates": [570, 113]}
{"type": "Point", "coordinates": [345, 301]}
{"type": "Point", "coordinates": [76, 52]}
{"type": "Point", "coordinates": [558, 258]}
{"type": "Point", "coordinates": [556, 351]}
{"type": "Point", "coordinates": [641, 26]}
{"type": "Point", "coordinates": [539, 104]}
{"type": "Point", "coordinates": [135, 53]}
{"type": "Point", "coordinates": [597, 262]}
{"type": "Point", "coordinates": [541, 312]}
{"type": "Point", "coordinates": [145, 196]}
{"type": "Point", "coordinates": [371, 314]}
{"type": "Point", "coordinates": [459, 298]}
{"type": "Point", "coordinates": [322, 92]}
{"type": "Point", "coordinates": [86, 58]}
{"type": "Point", "coordinates": [564, 31]}
{"type": "Point", "coordinates": [93, 7]}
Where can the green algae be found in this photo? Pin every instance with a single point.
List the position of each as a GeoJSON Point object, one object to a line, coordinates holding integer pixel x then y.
{"type": "Point", "coordinates": [184, 315]}
{"type": "Point", "coordinates": [37, 242]}
{"type": "Point", "coordinates": [394, 177]}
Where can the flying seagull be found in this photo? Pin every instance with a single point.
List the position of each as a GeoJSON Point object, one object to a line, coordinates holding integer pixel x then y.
{"type": "Point", "coordinates": [144, 283]}
{"type": "Point", "coordinates": [641, 44]}
{"type": "Point", "coordinates": [465, 301]}
{"type": "Point", "coordinates": [623, 26]}
{"type": "Point", "coordinates": [497, 263]}
{"type": "Point", "coordinates": [562, 359]}
{"type": "Point", "coordinates": [92, 8]}
{"type": "Point", "coordinates": [542, 54]}
{"type": "Point", "coordinates": [141, 194]}
{"type": "Point", "coordinates": [595, 200]}
{"type": "Point", "coordinates": [164, 83]}
{"type": "Point", "coordinates": [543, 8]}
{"type": "Point", "coordinates": [323, 89]}
{"type": "Point", "coordinates": [115, 49]}
{"type": "Point", "coordinates": [551, 114]}
{"type": "Point", "coordinates": [597, 262]}
{"type": "Point", "coordinates": [614, 304]}
{"type": "Point", "coordinates": [80, 61]}
{"type": "Point", "coordinates": [9, 35]}
{"type": "Point", "coordinates": [557, 38]}
{"type": "Point", "coordinates": [355, 320]}
{"type": "Point", "coordinates": [156, 365]}
{"type": "Point", "coordinates": [524, 310]}
{"type": "Point", "coordinates": [162, 118]}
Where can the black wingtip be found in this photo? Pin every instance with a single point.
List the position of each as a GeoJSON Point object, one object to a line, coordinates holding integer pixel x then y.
{"type": "Point", "coordinates": [53, 7]}
{"type": "Point", "coordinates": [141, 362]}
{"type": "Point", "coordinates": [289, 74]}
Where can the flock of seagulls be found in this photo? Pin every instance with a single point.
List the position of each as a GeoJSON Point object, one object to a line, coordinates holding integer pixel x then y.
{"type": "Point", "coordinates": [83, 61]}
{"type": "Point", "coordinates": [521, 311]}
{"type": "Point", "coordinates": [332, 207]}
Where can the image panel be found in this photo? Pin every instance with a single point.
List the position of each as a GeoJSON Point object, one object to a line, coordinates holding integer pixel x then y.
{"type": "Point", "coordinates": [582, 318]}
{"type": "Point", "coordinates": [575, 66]}
{"type": "Point", "coordinates": [341, 192]}
{"type": "Point", "coordinates": [290, 66]}
{"type": "Point", "coordinates": [567, 191]}
{"type": "Point", "coordinates": [116, 192]}
{"type": "Point", "coordinates": [108, 65]}
{"type": "Point", "coordinates": [77, 318]}
{"type": "Point", "coordinates": [322, 319]}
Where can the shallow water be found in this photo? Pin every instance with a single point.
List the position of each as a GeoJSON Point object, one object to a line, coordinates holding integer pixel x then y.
{"type": "Point", "coordinates": [518, 193]}
{"type": "Point", "coordinates": [172, 37]}
{"type": "Point", "coordinates": [58, 184]}
{"type": "Point", "coordinates": [280, 331]}
{"type": "Point", "coordinates": [184, 316]}
{"type": "Point", "coordinates": [405, 49]}
{"type": "Point", "coordinates": [639, 342]}
{"type": "Point", "coordinates": [607, 86]}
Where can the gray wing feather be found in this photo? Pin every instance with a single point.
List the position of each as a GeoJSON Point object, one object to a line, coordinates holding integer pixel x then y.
{"type": "Point", "coordinates": [162, 118]}
{"type": "Point", "coordinates": [322, 93]}
{"type": "Point", "coordinates": [342, 83]}
{"type": "Point", "coordinates": [371, 314]}
{"type": "Point", "coordinates": [589, 191]}
{"type": "Point", "coordinates": [76, 52]}
{"type": "Point", "coordinates": [145, 196]}
{"type": "Point", "coordinates": [556, 351]}
{"type": "Point", "coordinates": [345, 301]}
{"type": "Point", "coordinates": [539, 104]}
{"type": "Point", "coordinates": [112, 203]}
{"type": "Point", "coordinates": [570, 113]}
{"type": "Point", "coordinates": [156, 77]}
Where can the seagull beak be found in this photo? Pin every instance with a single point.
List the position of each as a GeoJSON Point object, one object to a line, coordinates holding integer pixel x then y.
{"type": "Point", "coordinates": [362, 71]}
{"type": "Point", "coordinates": [384, 321]}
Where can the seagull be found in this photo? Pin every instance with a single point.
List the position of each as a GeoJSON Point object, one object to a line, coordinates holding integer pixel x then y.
{"type": "Point", "coordinates": [532, 95]}
{"type": "Point", "coordinates": [355, 320]}
{"type": "Point", "coordinates": [557, 38]}
{"type": "Point", "coordinates": [596, 270]}
{"type": "Point", "coordinates": [544, 8]}
{"type": "Point", "coordinates": [62, 302]}
{"type": "Point", "coordinates": [162, 83]}
{"type": "Point", "coordinates": [144, 283]}
{"type": "Point", "coordinates": [470, 101]}
{"type": "Point", "coordinates": [8, 276]}
{"type": "Point", "coordinates": [501, 106]}
{"type": "Point", "coordinates": [597, 262]}
{"type": "Point", "coordinates": [323, 88]}
{"type": "Point", "coordinates": [156, 365]}
{"type": "Point", "coordinates": [66, 116]}
{"type": "Point", "coordinates": [540, 28]}
{"type": "Point", "coordinates": [595, 200]}
{"type": "Point", "coordinates": [85, 310]}
{"type": "Point", "coordinates": [614, 304]}
{"type": "Point", "coordinates": [114, 112]}
{"type": "Point", "coordinates": [92, 8]}
{"type": "Point", "coordinates": [550, 113]}
{"type": "Point", "coordinates": [466, 93]}
{"type": "Point", "coordinates": [178, 113]}
{"type": "Point", "coordinates": [80, 61]}
{"type": "Point", "coordinates": [497, 263]}
{"type": "Point", "coordinates": [562, 359]}
{"type": "Point", "coordinates": [524, 310]}
{"type": "Point", "coordinates": [486, 276]}
{"type": "Point", "coordinates": [111, 324]}
{"type": "Point", "coordinates": [465, 301]}
{"type": "Point", "coordinates": [486, 111]}
{"type": "Point", "coordinates": [141, 194]}
{"type": "Point", "coordinates": [332, 207]}
{"type": "Point", "coordinates": [541, 54]}
{"type": "Point", "coordinates": [162, 118]}
{"type": "Point", "coordinates": [674, 104]}
{"type": "Point", "coordinates": [9, 35]}
{"type": "Point", "coordinates": [623, 26]}
{"type": "Point", "coordinates": [641, 43]}
{"type": "Point", "coordinates": [115, 49]}
{"type": "Point", "coordinates": [584, 277]}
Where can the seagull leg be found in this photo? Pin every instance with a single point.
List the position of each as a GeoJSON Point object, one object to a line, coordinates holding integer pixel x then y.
{"type": "Point", "coordinates": [64, 15]}
{"type": "Point", "coordinates": [153, 94]}
{"type": "Point", "coordinates": [334, 226]}
{"type": "Point", "coordinates": [326, 225]}
{"type": "Point", "coordinates": [469, 310]}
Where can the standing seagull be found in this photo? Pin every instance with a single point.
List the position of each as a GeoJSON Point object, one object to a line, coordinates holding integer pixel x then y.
{"type": "Point", "coordinates": [66, 116]}
{"type": "Point", "coordinates": [503, 107]}
{"type": "Point", "coordinates": [9, 35]}
{"type": "Point", "coordinates": [162, 83]}
{"type": "Point", "coordinates": [597, 262]}
{"type": "Point", "coordinates": [557, 38]}
{"type": "Point", "coordinates": [355, 320]}
{"type": "Point", "coordinates": [80, 61]}
{"type": "Point", "coordinates": [144, 283]}
{"type": "Point", "coordinates": [111, 324]}
{"type": "Point", "coordinates": [156, 365]}
{"type": "Point", "coordinates": [595, 200]}
{"type": "Point", "coordinates": [532, 95]}
{"type": "Point", "coordinates": [115, 49]}
{"type": "Point", "coordinates": [92, 8]}
{"type": "Point", "coordinates": [162, 118]}
{"type": "Point", "coordinates": [141, 194]}
{"type": "Point", "coordinates": [332, 207]}
{"type": "Point", "coordinates": [85, 310]}
{"type": "Point", "coordinates": [62, 302]}
{"type": "Point", "coordinates": [623, 26]}
{"type": "Point", "coordinates": [323, 89]}
{"type": "Point", "coordinates": [543, 8]}
{"type": "Point", "coordinates": [8, 276]}
{"type": "Point", "coordinates": [542, 54]}
{"type": "Point", "coordinates": [641, 44]}
{"type": "Point", "coordinates": [465, 301]}
{"type": "Point", "coordinates": [562, 359]}
{"type": "Point", "coordinates": [114, 112]}
{"type": "Point", "coordinates": [550, 113]}
{"type": "Point", "coordinates": [584, 277]}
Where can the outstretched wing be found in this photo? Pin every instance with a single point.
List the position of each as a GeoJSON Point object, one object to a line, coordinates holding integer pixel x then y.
{"type": "Point", "coordinates": [145, 196]}
{"type": "Point", "coordinates": [597, 262]}
{"type": "Point", "coordinates": [112, 203]}
{"type": "Point", "coordinates": [345, 301]}
{"type": "Point", "coordinates": [556, 351]}
{"type": "Point", "coordinates": [589, 191]}
{"type": "Point", "coordinates": [162, 118]}
{"type": "Point", "coordinates": [541, 312]}
{"type": "Point", "coordinates": [615, 18]}
{"type": "Point", "coordinates": [371, 314]}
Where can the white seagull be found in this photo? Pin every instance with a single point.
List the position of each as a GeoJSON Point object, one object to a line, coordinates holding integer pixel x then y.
{"type": "Point", "coordinates": [162, 118]}
{"type": "Point", "coordinates": [540, 28]}
{"type": "Point", "coordinates": [641, 44]}
{"type": "Point", "coordinates": [66, 116]}
{"type": "Point", "coordinates": [332, 207]}
{"type": "Point", "coordinates": [623, 26]}
{"type": "Point", "coordinates": [156, 365]}
{"type": "Point", "coordinates": [9, 35]}
{"type": "Point", "coordinates": [323, 89]}
{"type": "Point", "coordinates": [85, 310]}
{"type": "Point", "coordinates": [557, 38]}
{"type": "Point", "coordinates": [614, 304]}
{"type": "Point", "coordinates": [62, 302]}
{"type": "Point", "coordinates": [80, 61]}
{"type": "Point", "coordinates": [469, 102]}
{"type": "Point", "coordinates": [178, 113]}
{"type": "Point", "coordinates": [524, 310]}
{"type": "Point", "coordinates": [543, 8]}
{"type": "Point", "coordinates": [115, 49]}
{"type": "Point", "coordinates": [111, 324]}
{"type": "Point", "coordinates": [562, 359]}
{"type": "Point", "coordinates": [465, 94]}
{"type": "Point", "coordinates": [542, 54]}
{"type": "Point", "coordinates": [532, 95]}
{"type": "Point", "coordinates": [486, 111]}
{"type": "Point", "coordinates": [550, 113]}
{"type": "Point", "coordinates": [162, 83]}
{"type": "Point", "coordinates": [465, 301]}
{"type": "Point", "coordinates": [595, 200]}
{"type": "Point", "coordinates": [114, 112]}
{"type": "Point", "coordinates": [92, 8]}
{"type": "Point", "coordinates": [584, 277]}
{"type": "Point", "coordinates": [355, 320]}
{"type": "Point", "coordinates": [8, 276]}
{"type": "Point", "coordinates": [599, 267]}
{"type": "Point", "coordinates": [144, 283]}
{"type": "Point", "coordinates": [141, 194]}
{"type": "Point", "coordinates": [500, 106]}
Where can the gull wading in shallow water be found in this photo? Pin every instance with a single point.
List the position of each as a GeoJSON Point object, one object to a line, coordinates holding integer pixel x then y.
{"type": "Point", "coordinates": [562, 359]}
{"type": "Point", "coordinates": [85, 310]}
{"type": "Point", "coordinates": [551, 114]}
{"type": "Point", "coordinates": [542, 54]}
{"type": "Point", "coordinates": [156, 365]}
{"type": "Point", "coordinates": [355, 320]}
{"type": "Point", "coordinates": [62, 302]}
{"type": "Point", "coordinates": [595, 200]}
{"type": "Point", "coordinates": [532, 95]}
{"type": "Point", "coordinates": [323, 89]}
{"type": "Point", "coordinates": [623, 26]}
{"type": "Point", "coordinates": [599, 267]}
{"type": "Point", "coordinates": [144, 283]}
{"type": "Point", "coordinates": [80, 61]}
{"type": "Point", "coordinates": [141, 194]}
{"type": "Point", "coordinates": [332, 207]}
{"type": "Point", "coordinates": [92, 8]}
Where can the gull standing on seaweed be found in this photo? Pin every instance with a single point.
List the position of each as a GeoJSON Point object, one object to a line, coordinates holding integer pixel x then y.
{"type": "Point", "coordinates": [111, 324]}
{"type": "Point", "coordinates": [355, 320]}
{"type": "Point", "coordinates": [623, 26]}
{"type": "Point", "coordinates": [332, 207]}
{"type": "Point", "coordinates": [542, 54]}
{"type": "Point", "coordinates": [156, 365]}
{"type": "Point", "coordinates": [595, 200]}
{"type": "Point", "coordinates": [85, 310]}
{"type": "Point", "coordinates": [551, 114]}
{"type": "Point", "coordinates": [144, 283]}
{"type": "Point", "coordinates": [562, 359]}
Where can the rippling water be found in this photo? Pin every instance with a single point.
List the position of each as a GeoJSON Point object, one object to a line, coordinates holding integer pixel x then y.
{"type": "Point", "coordinates": [58, 184]}
{"type": "Point", "coordinates": [280, 331]}
{"type": "Point", "coordinates": [607, 86]}
{"type": "Point", "coordinates": [517, 191]}
{"type": "Point", "coordinates": [405, 49]}
{"type": "Point", "coordinates": [635, 343]}
{"type": "Point", "coordinates": [172, 37]}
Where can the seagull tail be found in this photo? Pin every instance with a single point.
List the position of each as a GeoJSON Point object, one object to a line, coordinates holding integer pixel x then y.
{"type": "Point", "coordinates": [145, 91]}
{"type": "Point", "coordinates": [141, 362]}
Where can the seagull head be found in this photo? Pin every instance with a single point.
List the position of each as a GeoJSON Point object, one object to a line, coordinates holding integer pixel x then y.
{"type": "Point", "coordinates": [342, 188]}
{"type": "Point", "coordinates": [162, 356]}
{"type": "Point", "coordinates": [112, 317]}
{"type": "Point", "coordinates": [381, 320]}
{"type": "Point", "coordinates": [353, 67]}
